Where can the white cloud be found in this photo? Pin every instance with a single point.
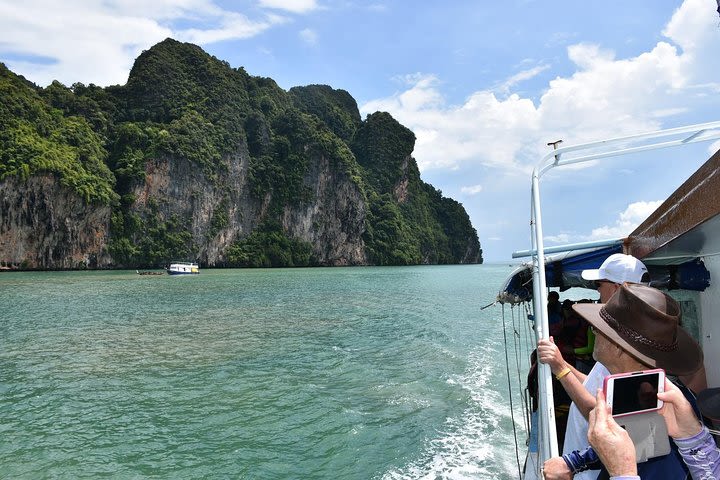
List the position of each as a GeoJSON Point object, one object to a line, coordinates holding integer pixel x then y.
{"type": "Point", "coordinates": [627, 221]}
{"type": "Point", "coordinates": [483, 129]}
{"type": "Point", "coordinates": [231, 25]}
{"type": "Point", "coordinates": [309, 36]}
{"type": "Point", "coordinates": [377, 7]}
{"type": "Point", "coordinates": [472, 189]}
{"type": "Point", "coordinates": [294, 6]}
{"type": "Point", "coordinates": [606, 97]}
{"type": "Point", "coordinates": [562, 238]}
{"type": "Point", "coordinates": [97, 42]}
{"type": "Point", "coordinates": [234, 26]}
{"type": "Point", "coordinates": [522, 76]}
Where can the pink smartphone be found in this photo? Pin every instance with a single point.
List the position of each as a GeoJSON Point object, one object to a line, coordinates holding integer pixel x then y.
{"type": "Point", "coordinates": [634, 392]}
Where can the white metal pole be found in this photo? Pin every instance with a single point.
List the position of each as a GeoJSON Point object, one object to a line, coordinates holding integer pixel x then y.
{"type": "Point", "coordinates": [547, 438]}
{"type": "Point", "coordinates": [546, 405]}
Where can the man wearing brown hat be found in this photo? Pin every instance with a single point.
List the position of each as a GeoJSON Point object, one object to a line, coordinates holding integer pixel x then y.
{"type": "Point", "coordinates": [614, 271]}
{"type": "Point", "coordinates": [637, 329]}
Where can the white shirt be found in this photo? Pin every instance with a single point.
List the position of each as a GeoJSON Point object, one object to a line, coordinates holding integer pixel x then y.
{"type": "Point", "coordinates": [577, 426]}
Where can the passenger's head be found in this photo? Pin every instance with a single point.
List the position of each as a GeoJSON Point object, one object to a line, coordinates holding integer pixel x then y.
{"type": "Point", "coordinates": [709, 404]}
{"type": "Point", "coordinates": [617, 269]}
{"type": "Point", "coordinates": [640, 327]}
{"type": "Point", "coordinates": [553, 297]}
{"type": "Point", "coordinates": [567, 310]}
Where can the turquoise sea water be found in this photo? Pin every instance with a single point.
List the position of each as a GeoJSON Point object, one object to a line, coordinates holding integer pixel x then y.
{"type": "Point", "coordinates": [343, 373]}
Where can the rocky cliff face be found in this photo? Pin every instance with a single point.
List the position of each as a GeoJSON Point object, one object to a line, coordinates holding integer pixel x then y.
{"type": "Point", "coordinates": [47, 226]}
{"type": "Point", "coordinates": [195, 160]}
{"type": "Point", "coordinates": [331, 221]}
{"type": "Point", "coordinates": [334, 222]}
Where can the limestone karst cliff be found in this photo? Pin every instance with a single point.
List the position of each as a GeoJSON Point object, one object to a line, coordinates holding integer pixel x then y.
{"type": "Point", "coordinates": [193, 159]}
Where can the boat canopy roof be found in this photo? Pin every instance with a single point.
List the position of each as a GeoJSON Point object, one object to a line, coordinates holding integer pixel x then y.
{"type": "Point", "coordinates": [564, 271]}
{"type": "Point", "coordinates": [671, 242]}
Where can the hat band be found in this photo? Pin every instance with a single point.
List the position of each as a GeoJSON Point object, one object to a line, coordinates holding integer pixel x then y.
{"type": "Point", "coordinates": [631, 334]}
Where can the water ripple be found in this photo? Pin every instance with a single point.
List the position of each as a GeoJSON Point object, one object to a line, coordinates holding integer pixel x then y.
{"type": "Point", "coordinates": [298, 373]}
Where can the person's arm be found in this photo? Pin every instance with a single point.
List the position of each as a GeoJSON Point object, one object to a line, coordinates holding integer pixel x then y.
{"type": "Point", "coordinates": [549, 353]}
{"type": "Point", "coordinates": [611, 442]}
{"type": "Point", "coordinates": [555, 469]}
{"type": "Point", "coordinates": [566, 466]}
{"type": "Point", "coordinates": [678, 413]}
{"type": "Point", "coordinates": [700, 454]}
{"type": "Point", "coordinates": [695, 444]}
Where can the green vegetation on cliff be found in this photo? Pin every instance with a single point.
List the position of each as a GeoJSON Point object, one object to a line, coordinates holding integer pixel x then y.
{"type": "Point", "coordinates": [268, 246]}
{"type": "Point", "coordinates": [409, 221]}
{"type": "Point", "coordinates": [181, 103]}
{"type": "Point", "coordinates": [36, 138]}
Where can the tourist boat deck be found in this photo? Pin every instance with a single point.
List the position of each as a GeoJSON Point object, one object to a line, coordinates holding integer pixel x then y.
{"type": "Point", "coordinates": [679, 243]}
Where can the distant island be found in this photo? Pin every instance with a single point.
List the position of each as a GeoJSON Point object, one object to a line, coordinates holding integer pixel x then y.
{"type": "Point", "coordinates": [195, 160]}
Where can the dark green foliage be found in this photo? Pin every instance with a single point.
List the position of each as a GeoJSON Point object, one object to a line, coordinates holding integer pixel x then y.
{"type": "Point", "coordinates": [200, 99]}
{"type": "Point", "coordinates": [165, 240]}
{"type": "Point", "coordinates": [194, 137]}
{"type": "Point", "coordinates": [150, 240]}
{"type": "Point", "coordinates": [455, 222]}
{"type": "Point", "coordinates": [388, 236]}
{"type": "Point", "coordinates": [336, 108]}
{"type": "Point", "coordinates": [268, 246]}
{"type": "Point", "coordinates": [220, 219]}
{"type": "Point", "coordinates": [280, 162]}
{"type": "Point", "coordinates": [381, 146]}
{"type": "Point", "coordinates": [409, 221]}
{"type": "Point", "coordinates": [36, 138]}
{"type": "Point", "coordinates": [91, 103]}
{"type": "Point", "coordinates": [132, 145]}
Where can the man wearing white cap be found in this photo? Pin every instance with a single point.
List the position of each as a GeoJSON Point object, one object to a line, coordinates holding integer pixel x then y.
{"type": "Point", "coordinates": [614, 271]}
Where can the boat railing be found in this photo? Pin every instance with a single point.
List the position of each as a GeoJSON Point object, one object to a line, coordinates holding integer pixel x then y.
{"type": "Point", "coordinates": [569, 155]}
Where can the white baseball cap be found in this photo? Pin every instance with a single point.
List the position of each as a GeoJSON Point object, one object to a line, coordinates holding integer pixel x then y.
{"type": "Point", "coordinates": [618, 268]}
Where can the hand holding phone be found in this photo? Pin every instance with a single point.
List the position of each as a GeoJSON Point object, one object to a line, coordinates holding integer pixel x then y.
{"type": "Point", "coordinates": [634, 392]}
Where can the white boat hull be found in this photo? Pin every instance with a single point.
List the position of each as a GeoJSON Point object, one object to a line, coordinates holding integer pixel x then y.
{"type": "Point", "coordinates": [183, 269]}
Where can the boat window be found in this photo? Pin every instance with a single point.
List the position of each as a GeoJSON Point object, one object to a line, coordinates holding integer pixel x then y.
{"type": "Point", "coordinates": [689, 301]}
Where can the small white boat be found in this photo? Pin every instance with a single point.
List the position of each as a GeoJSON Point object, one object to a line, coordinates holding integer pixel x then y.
{"type": "Point", "coordinates": [183, 268]}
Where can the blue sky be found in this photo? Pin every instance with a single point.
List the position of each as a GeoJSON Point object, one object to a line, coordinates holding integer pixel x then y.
{"type": "Point", "coordinates": [483, 84]}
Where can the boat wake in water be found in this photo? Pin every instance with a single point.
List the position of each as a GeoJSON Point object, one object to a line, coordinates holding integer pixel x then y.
{"type": "Point", "coordinates": [476, 444]}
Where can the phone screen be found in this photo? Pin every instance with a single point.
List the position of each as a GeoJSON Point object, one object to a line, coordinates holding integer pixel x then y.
{"type": "Point", "coordinates": [635, 393]}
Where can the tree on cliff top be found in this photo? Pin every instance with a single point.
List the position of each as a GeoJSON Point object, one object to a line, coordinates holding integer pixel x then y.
{"type": "Point", "coordinates": [36, 138]}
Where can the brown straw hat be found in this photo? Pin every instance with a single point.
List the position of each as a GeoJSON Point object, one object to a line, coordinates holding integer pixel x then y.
{"type": "Point", "coordinates": [645, 322]}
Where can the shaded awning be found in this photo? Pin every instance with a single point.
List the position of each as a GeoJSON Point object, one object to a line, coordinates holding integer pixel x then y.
{"type": "Point", "coordinates": [562, 271]}
{"type": "Point", "coordinates": [671, 243]}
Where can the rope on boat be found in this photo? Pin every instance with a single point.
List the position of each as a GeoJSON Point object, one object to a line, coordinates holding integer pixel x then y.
{"type": "Point", "coordinates": [512, 408]}
{"type": "Point", "coordinates": [525, 396]}
{"type": "Point", "coordinates": [517, 362]}
{"type": "Point", "coordinates": [524, 339]}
